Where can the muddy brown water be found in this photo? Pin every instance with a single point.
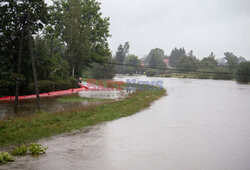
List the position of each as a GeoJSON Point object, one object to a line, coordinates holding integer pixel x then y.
{"type": "Point", "coordinates": [201, 124]}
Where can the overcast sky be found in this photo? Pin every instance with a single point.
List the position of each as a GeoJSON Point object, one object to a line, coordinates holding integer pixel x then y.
{"type": "Point", "coordinates": [199, 25]}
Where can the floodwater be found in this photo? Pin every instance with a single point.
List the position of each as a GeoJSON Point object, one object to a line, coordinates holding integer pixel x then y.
{"type": "Point", "coordinates": [51, 104]}
{"type": "Point", "coordinates": [114, 94]}
{"type": "Point", "coordinates": [201, 124]}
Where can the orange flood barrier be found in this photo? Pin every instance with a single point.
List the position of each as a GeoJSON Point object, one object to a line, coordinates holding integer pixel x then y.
{"type": "Point", "coordinates": [43, 95]}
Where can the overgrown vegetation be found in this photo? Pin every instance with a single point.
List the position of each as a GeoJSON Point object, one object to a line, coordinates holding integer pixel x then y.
{"type": "Point", "coordinates": [20, 151]}
{"type": "Point", "coordinates": [33, 149]}
{"type": "Point", "coordinates": [5, 157]}
{"type": "Point", "coordinates": [36, 149]}
{"type": "Point", "coordinates": [28, 129]}
{"type": "Point", "coordinates": [64, 39]}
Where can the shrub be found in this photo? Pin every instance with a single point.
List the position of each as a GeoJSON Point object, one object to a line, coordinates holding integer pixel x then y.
{"type": "Point", "coordinates": [48, 86]}
{"type": "Point", "coordinates": [6, 88]}
{"type": "Point", "coordinates": [223, 73]}
{"type": "Point", "coordinates": [5, 157]}
{"type": "Point", "coordinates": [18, 151]}
{"type": "Point", "coordinates": [36, 149]}
{"type": "Point", "coordinates": [203, 75]}
{"type": "Point", "coordinates": [44, 86]}
{"type": "Point", "coordinates": [62, 85]}
{"type": "Point", "coordinates": [73, 82]}
{"type": "Point", "coordinates": [152, 72]}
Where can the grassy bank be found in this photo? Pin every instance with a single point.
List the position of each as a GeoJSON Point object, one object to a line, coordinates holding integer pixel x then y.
{"type": "Point", "coordinates": [76, 98]}
{"type": "Point", "coordinates": [197, 75]}
{"type": "Point", "coordinates": [28, 129]}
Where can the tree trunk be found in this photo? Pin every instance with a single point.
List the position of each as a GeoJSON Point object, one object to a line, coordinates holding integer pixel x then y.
{"type": "Point", "coordinates": [73, 71]}
{"type": "Point", "coordinates": [34, 70]}
{"type": "Point", "coordinates": [51, 46]}
{"type": "Point", "coordinates": [18, 72]}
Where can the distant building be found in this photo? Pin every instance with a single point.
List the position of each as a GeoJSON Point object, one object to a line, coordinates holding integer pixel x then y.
{"type": "Point", "coordinates": [142, 64]}
{"type": "Point", "coordinates": [166, 61]}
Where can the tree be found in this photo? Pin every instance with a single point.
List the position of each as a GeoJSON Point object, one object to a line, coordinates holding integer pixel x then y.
{"type": "Point", "coordinates": [120, 57]}
{"type": "Point", "coordinates": [175, 56]}
{"type": "Point", "coordinates": [155, 57]}
{"type": "Point", "coordinates": [232, 60]}
{"type": "Point", "coordinates": [79, 23]}
{"type": "Point", "coordinates": [126, 48]}
{"type": "Point", "coordinates": [187, 63]}
{"type": "Point", "coordinates": [73, 35]}
{"type": "Point", "coordinates": [16, 16]}
{"type": "Point", "coordinates": [209, 63]}
{"type": "Point", "coordinates": [101, 71]}
{"type": "Point", "coordinates": [131, 62]}
{"type": "Point", "coordinates": [243, 72]}
{"type": "Point", "coordinates": [241, 59]}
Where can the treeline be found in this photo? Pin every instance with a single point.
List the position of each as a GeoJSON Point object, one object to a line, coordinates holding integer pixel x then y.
{"type": "Point", "coordinates": [179, 62]}
{"type": "Point", "coordinates": [66, 40]}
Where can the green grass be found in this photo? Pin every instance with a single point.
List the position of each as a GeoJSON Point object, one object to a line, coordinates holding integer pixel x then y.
{"type": "Point", "coordinates": [31, 128]}
{"type": "Point", "coordinates": [79, 99]}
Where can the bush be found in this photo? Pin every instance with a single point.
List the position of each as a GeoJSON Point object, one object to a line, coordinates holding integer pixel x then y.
{"type": "Point", "coordinates": [34, 149]}
{"type": "Point", "coordinates": [152, 72]}
{"type": "Point", "coordinates": [222, 76]}
{"type": "Point", "coordinates": [62, 85]}
{"type": "Point", "coordinates": [37, 149]}
{"type": "Point", "coordinates": [5, 157]}
{"type": "Point", "coordinates": [48, 86]}
{"type": "Point", "coordinates": [203, 75]}
{"type": "Point", "coordinates": [243, 72]}
{"type": "Point", "coordinates": [223, 73]}
{"type": "Point", "coordinates": [6, 88]}
{"type": "Point", "coordinates": [44, 86]}
{"type": "Point", "coordinates": [18, 151]}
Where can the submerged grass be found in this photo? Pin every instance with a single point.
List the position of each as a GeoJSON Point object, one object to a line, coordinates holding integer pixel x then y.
{"type": "Point", "coordinates": [79, 99]}
{"type": "Point", "coordinates": [31, 128]}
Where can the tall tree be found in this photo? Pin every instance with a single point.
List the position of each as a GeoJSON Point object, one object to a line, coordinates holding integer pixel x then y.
{"type": "Point", "coordinates": [175, 56]}
{"type": "Point", "coordinates": [72, 33]}
{"type": "Point", "coordinates": [187, 63]}
{"type": "Point", "coordinates": [126, 48]}
{"type": "Point", "coordinates": [209, 63]}
{"type": "Point", "coordinates": [79, 23]}
{"type": "Point", "coordinates": [232, 60]}
{"type": "Point", "coordinates": [33, 68]}
{"type": "Point", "coordinates": [155, 58]}
{"type": "Point", "coordinates": [120, 57]}
{"type": "Point", "coordinates": [18, 72]}
{"type": "Point", "coordinates": [19, 14]}
{"type": "Point", "coordinates": [131, 62]}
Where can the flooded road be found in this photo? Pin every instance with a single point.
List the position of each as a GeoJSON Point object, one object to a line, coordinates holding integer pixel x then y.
{"type": "Point", "coordinates": [201, 124]}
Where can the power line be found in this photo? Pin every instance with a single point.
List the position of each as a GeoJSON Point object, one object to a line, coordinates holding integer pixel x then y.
{"type": "Point", "coordinates": [174, 70]}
